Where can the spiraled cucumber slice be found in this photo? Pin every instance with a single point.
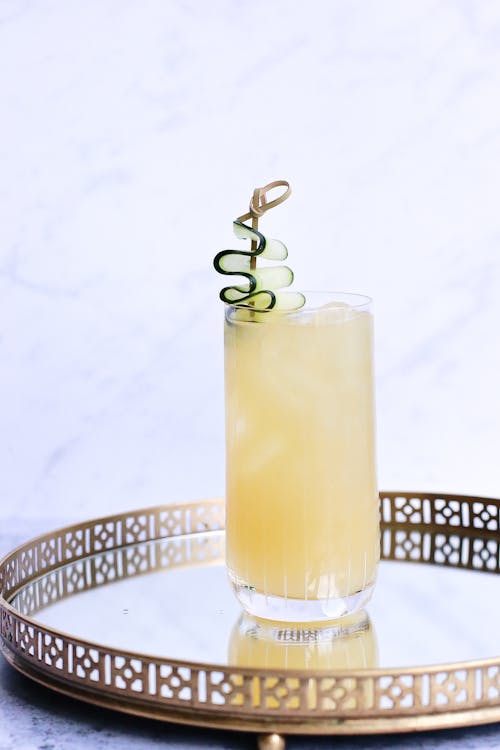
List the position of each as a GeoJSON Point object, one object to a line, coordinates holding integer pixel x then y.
{"type": "Point", "coordinates": [288, 301]}
{"type": "Point", "coordinates": [275, 250]}
{"type": "Point", "coordinates": [228, 262]}
{"type": "Point", "coordinates": [274, 277]}
{"type": "Point", "coordinates": [284, 302]}
{"type": "Point", "coordinates": [244, 232]}
{"type": "Point", "coordinates": [259, 291]}
{"type": "Point", "coordinates": [264, 300]}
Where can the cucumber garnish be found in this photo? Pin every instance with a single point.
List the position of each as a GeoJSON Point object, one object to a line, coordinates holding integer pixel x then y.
{"type": "Point", "coordinates": [260, 289]}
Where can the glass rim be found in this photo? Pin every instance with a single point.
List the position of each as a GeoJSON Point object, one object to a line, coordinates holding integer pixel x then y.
{"type": "Point", "coordinates": [363, 300]}
{"type": "Point", "coordinates": [355, 300]}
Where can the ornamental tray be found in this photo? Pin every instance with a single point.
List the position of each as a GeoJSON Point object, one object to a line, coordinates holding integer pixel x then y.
{"type": "Point", "coordinates": [133, 612]}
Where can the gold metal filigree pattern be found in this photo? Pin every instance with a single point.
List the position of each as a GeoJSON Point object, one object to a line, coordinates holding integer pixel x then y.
{"type": "Point", "coordinates": [448, 530]}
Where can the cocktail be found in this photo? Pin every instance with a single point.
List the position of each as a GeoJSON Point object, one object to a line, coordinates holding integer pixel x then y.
{"type": "Point", "coordinates": [302, 529]}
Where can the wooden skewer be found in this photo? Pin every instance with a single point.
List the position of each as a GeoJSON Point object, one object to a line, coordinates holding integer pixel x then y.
{"type": "Point", "coordinates": [259, 205]}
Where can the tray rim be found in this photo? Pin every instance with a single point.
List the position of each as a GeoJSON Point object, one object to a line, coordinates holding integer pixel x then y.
{"type": "Point", "coordinates": [397, 718]}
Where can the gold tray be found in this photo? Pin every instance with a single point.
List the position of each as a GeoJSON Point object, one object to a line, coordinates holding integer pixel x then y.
{"type": "Point", "coordinates": [450, 531]}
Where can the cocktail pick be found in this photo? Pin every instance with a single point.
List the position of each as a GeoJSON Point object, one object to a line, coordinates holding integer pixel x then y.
{"type": "Point", "coordinates": [260, 291]}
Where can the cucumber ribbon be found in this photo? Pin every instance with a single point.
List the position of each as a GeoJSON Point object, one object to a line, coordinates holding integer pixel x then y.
{"type": "Point", "coordinates": [260, 291]}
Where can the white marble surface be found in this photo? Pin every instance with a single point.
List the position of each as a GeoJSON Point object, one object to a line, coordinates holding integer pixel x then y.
{"type": "Point", "coordinates": [133, 132]}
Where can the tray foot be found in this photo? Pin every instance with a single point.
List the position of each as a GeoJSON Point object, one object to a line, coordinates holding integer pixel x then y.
{"type": "Point", "coordinates": [271, 742]}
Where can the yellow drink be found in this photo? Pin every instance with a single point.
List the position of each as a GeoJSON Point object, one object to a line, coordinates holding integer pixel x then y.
{"type": "Point", "coordinates": [301, 493]}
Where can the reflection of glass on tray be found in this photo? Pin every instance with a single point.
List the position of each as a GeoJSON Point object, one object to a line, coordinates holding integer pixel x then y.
{"type": "Point", "coordinates": [351, 643]}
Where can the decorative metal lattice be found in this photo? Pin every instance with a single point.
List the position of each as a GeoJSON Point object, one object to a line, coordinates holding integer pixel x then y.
{"type": "Point", "coordinates": [446, 530]}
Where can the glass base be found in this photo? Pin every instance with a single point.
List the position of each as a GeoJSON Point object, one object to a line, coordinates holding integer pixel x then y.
{"type": "Point", "coordinates": [302, 634]}
{"type": "Point", "coordinates": [285, 609]}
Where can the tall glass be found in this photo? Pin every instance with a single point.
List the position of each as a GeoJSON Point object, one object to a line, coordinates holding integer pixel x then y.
{"type": "Point", "coordinates": [302, 528]}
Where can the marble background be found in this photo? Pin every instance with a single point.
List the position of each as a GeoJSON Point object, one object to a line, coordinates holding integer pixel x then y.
{"type": "Point", "coordinates": [132, 133]}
